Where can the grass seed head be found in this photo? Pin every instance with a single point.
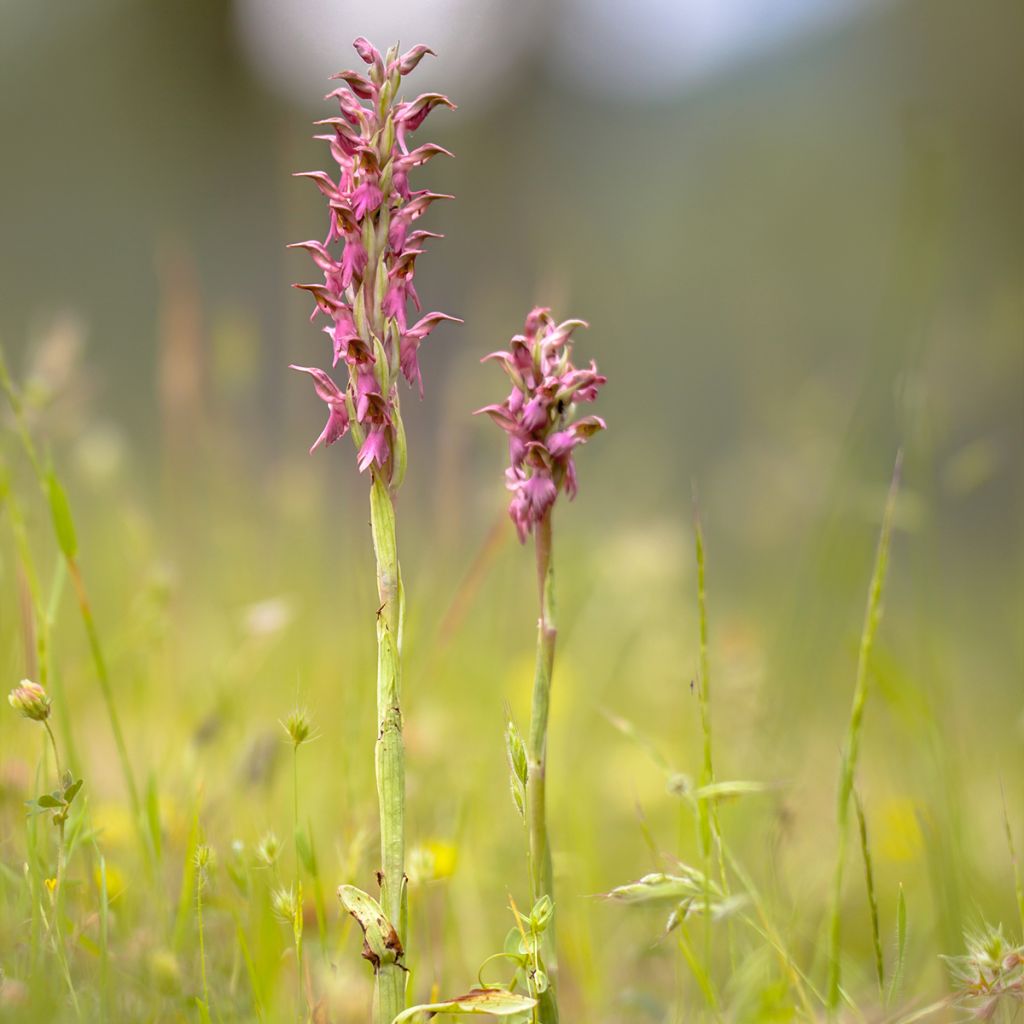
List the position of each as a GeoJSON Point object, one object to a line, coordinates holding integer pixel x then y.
{"type": "Point", "coordinates": [284, 903]}
{"type": "Point", "coordinates": [268, 849]}
{"type": "Point", "coordinates": [299, 727]}
{"type": "Point", "coordinates": [989, 975]}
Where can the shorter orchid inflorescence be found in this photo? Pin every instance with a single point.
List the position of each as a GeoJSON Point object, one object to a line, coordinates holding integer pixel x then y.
{"type": "Point", "coordinates": [366, 290]}
{"type": "Point", "coordinates": [538, 415]}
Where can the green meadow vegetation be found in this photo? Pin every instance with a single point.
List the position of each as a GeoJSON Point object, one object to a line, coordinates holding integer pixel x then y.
{"type": "Point", "coordinates": [734, 735]}
{"type": "Point", "coordinates": [176, 829]}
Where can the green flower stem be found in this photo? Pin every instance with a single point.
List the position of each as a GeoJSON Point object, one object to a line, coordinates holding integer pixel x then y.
{"type": "Point", "coordinates": [44, 615]}
{"type": "Point", "coordinates": [57, 894]}
{"type": "Point", "coordinates": [58, 881]}
{"type": "Point", "coordinates": [541, 880]}
{"type": "Point", "coordinates": [45, 479]}
{"type": "Point", "coordinates": [296, 925]}
{"type": "Point", "coordinates": [205, 1006]}
{"type": "Point", "coordinates": [390, 752]}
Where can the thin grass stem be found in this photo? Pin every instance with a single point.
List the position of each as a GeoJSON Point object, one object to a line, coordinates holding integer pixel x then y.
{"type": "Point", "coordinates": [95, 647]}
{"type": "Point", "coordinates": [869, 878]}
{"type": "Point", "coordinates": [104, 933]}
{"type": "Point", "coordinates": [205, 1007]}
{"type": "Point", "coordinates": [1018, 886]}
{"type": "Point", "coordinates": [297, 927]}
{"type": "Point", "coordinates": [848, 767]}
{"type": "Point", "coordinates": [57, 892]}
{"type": "Point", "coordinates": [699, 972]}
{"type": "Point", "coordinates": [800, 982]}
{"type": "Point", "coordinates": [710, 823]}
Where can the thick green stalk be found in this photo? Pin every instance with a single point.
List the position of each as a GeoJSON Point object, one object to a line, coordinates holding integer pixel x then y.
{"type": "Point", "coordinates": [390, 753]}
{"type": "Point", "coordinates": [541, 880]}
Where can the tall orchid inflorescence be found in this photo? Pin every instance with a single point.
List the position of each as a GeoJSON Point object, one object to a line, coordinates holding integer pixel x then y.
{"type": "Point", "coordinates": [538, 415]}
{"type": "Point", "coordinates": [367, 288]}
{"type": "Point", "coordinates": [365, 292]}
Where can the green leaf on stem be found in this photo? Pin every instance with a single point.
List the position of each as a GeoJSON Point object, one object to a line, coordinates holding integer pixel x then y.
{"type": "Point", "coordinates": [498, 1002]}
{"type": "Point", "coordinates": [517, 764]}
{"type": "Point", "coordinates": [60, 510]}
{"type": "Point", "coordinates": [681, 785]}
{"type": "Point", "coordinates": [381, 944]}
{"type": "Point", "coordinates": [659, 887]}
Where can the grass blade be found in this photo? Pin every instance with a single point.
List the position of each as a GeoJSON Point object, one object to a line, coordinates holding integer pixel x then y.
{"type": "Point", "coordinates": [869, 878]}
{"type": "Point", "coordinates": [896, 982]}
{"type": "Point", "coordinates": [1018, 886]}
{"type": "Point", "coordinates": [872, 617]}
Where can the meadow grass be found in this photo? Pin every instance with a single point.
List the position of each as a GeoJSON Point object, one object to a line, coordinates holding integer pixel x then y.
{"type": "Point", "coordinates": [179, 905]}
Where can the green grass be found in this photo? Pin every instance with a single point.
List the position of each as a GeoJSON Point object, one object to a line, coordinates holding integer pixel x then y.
{"type": "Point", "coordinates": [205, 632]}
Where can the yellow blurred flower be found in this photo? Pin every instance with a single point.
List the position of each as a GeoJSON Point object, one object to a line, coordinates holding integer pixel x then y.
{"type": "Point", "coordinates": [115, 881]}
{"type": "Point", "coordinates": [899, 835]}
{"type": "Point", "coordinates": [114, 824]}
{"type": "Point", "coordinates": [431, 861]}
{"type": "Point", "coordinates": [163, 970]}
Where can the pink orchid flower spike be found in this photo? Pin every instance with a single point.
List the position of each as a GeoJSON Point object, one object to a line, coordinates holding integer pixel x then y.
{"type": "Point", "coordinates": [368, 255]}
{"type": "Point", "coordinates": [539, 415]}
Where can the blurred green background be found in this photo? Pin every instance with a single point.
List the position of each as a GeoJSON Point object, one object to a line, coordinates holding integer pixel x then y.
{"type": "Point", "coordinates": [799, 241]}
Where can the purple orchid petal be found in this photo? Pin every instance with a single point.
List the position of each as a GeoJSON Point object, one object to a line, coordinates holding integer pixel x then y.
{"type": "Point", "coordinates": [326, 301]}
{"type": "Point", "coordinates": [337, 416]}
{"type": "Point", "coordinates": [426, 324]}
{"type": "Point", "coordinates": [408, 61]}
{"type": "Point", "coordinates": [535, 413]}
{"type": "Point", "coordinates": [353, 261]}
{"type": "Point", "coordinates": [366, 50]}
{"type": "Point", "coordinates": [500, 415]}
{"type": "Point", "coordinates": [366, 198]}
{"type": "Point", "coordinates": [322, 180]}
{"type": "Point", "coordinates": [561, 443]}
{"type": "Point", "coordinates": [359, 84]}
{"type": "Point", "coordinates": [375, 449]}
